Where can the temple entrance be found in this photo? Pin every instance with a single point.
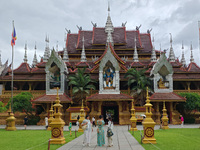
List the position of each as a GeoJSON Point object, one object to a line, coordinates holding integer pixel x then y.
{"type": "Point", "coordinates": [111, 111]}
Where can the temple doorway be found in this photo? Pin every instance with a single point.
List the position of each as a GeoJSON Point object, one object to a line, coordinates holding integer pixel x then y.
{"type": "Point", "coordinates": [111, 111]}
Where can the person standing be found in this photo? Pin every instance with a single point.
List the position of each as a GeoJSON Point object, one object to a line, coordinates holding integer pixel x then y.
{"type": "Point", "coordinates": [25, 122]}
{"type": "Point", "coordinates": [93, 122]}
{"type": "Point", "coordinates": [77, 123]}
{"type": "Point", "coordinates": [87, 132]}
{"type": "Point", "coordinates": [182, 121]}
{"type": "Point", "coordinates": [46, 122]}
{"type": "Point", "coordinates": [110, 127]}
{"type": "Point", "coordinates": [100, 131]}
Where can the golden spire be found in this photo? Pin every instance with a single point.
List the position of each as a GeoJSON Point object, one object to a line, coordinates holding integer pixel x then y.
{"type": "Point", "coordinates": [57, 97]}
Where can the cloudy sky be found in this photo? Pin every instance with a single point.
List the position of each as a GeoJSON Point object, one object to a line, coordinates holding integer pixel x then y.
{"type": "Point", "coordinates": [35, 19]}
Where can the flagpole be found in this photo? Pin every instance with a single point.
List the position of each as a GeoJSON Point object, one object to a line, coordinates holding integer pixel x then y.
{"type": "Point", "coordinates": [199, 35]}
{"type": "Point", "coordinates": [12, 75]}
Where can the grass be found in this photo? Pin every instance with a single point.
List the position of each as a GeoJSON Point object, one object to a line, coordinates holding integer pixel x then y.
{"type": "Point", "coordinates": [30, 139]}
{"type": "Point", "coordinates": [173, 139]}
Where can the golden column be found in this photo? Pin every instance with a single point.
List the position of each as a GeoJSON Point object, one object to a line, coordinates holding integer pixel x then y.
{"type": "Point", "coordinates": [57, 124]}
{"type": "Point", "coordinates": [148, 124]}
{"type": "Point", "coordinates": [164, 118]}
{"type": "Point", "coordinates": [50, 118]}
{"type": "Point", "coordinates": [10, 121]}
{"type": "Point", "coordinates": [133, 118]}
{"type": "Point", "coordinates": [82, 115]}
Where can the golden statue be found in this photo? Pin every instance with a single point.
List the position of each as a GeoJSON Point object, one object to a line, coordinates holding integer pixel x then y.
{"type": "Point", "coordinates": [161, 84]}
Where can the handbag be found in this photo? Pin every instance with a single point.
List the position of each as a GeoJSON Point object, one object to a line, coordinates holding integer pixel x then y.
{"type": "Point", "coordinates": [109, 132]}
{"type": "Point", "coordinates": [84, 127]}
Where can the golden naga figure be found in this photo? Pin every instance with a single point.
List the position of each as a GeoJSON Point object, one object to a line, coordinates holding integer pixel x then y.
{"type": "Point", "coordinates": [161, 84]}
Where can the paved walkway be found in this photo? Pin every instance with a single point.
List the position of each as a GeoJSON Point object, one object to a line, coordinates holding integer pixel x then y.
{"type": "Point", "coordinates": [122, 140]}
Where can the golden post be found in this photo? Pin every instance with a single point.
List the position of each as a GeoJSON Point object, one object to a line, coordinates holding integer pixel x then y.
{"type": "Point", "coordinates": [133, 118]}
{"type": "Point", "coordinates": [57, 124]}
{"type": "Point", "coordinates": [148, 123]}
{"type": "Point", "coordinates": [50, 117]}
{"type": "Point", "coordinates": [10, 121]}
{"type": "Point", "coordinates": [164, 118]}
{"type": "Point", "coordinates": [81, 118]}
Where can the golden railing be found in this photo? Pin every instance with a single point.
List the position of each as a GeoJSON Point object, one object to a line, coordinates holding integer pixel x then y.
{"type": "Point", "coordinates": [35, 93]}
{"type": "Point", "coordinates": [187, 91]}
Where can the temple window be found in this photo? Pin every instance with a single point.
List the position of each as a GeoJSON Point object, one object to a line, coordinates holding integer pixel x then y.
{"type": "Point", "coordinates": [54, 76]}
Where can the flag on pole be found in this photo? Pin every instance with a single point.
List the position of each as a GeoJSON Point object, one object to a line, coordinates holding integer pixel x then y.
{"type": "Point", "coordinates": [14, 37]}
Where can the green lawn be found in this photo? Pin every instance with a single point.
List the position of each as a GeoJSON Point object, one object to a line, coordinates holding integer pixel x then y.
{"type": "Point", "coordinates": [173, 139]}
{"type": "Point", "coordinates": [29, 139]}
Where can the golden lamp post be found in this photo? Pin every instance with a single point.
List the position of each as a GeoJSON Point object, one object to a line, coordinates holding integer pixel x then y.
{"type": "Point", "coordinates": [133, 118]}
{"type": "Point", "coordinates": [10, 121]}
{"type": "Point", "coordinates": [82, 115]}
{"type": "Point", "coordinates": [57, 124]}
{"type": "Point", "coordinates": [164, 118]}
{"type": "Point", "coordinates": [148, 124]}
{"type": "Point", "coordinates": [50, 117]}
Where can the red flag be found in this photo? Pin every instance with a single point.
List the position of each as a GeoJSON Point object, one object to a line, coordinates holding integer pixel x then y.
{"type": "Point", "coordinates": [14, 37]}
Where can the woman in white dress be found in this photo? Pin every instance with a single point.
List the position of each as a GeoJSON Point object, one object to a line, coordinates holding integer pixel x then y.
{"type": "Point", "coordinates": [88, 131]}
{"type": "Point", "coordinates": [110, 125]}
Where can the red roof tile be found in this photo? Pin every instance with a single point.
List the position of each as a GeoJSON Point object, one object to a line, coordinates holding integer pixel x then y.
{"type": "Point", "coordinates": [82, 64]}
{"type": "Point", "coordinates": [23, 68]}
{"type": "Point", "coordinates": [49, 98]}
{"type": "Point", "coordinates": [41, 64]}
{"type": "Point", "coordinates": [38, 70]}
{"type": "Point", "coordinates": [136, 64]}
{"type": "Point", "coordinates": [166, 97]}
{"type": "Point", "coordinates": [77, 109]}
{"type": "Point", "coordinates": [71, 43]}
{"type": "Point", "coordinates": [109, 97]}
{"type": "Point", "coordinates": [193, 67]}
{"type": "Point", "coordinates": [146, 42]}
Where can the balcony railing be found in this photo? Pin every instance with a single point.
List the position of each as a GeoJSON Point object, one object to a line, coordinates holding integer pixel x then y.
{"type": "Point", "coordinates": [35, 93]}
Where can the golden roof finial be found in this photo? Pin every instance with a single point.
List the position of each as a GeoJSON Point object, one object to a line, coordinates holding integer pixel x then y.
{"type": "Point", "coordinates": [164, 105]}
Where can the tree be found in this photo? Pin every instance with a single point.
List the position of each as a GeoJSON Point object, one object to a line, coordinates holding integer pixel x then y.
{"type": "Point", "coordinates": [2, 108]}
{"type": "Point", "coordinates": [192, 103]}
{"type": "Point", "coordinates": [82, 83]}
{"type": "Point", "coordinates": [22, 103]}
{"type": "Point", "coordinates": [138, 81]}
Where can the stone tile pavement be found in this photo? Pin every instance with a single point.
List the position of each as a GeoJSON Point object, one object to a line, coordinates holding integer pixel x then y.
{"type": "Point", "coordinates": [122, 140]}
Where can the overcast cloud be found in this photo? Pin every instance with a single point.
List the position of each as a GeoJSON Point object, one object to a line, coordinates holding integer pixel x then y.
{"type": "Point", "coordinates": [35, 19]}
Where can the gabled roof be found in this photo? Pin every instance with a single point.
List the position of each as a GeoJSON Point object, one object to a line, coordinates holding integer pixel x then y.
{"type": "Point", "coordinates": [136, 64]}
{"type": "Point", "coordinates": [168, 97]}
{"type": "Point", "coordinates": [23, 68]}
{"type": "Point", "coordinates": [41, 64]}
{"type": "Point", "coordinates": [109, 97]}
{"type": "Point", "coordinates": [193, 67]}
{"type": "Point", "coordinates": [52, 98]}
{"type": "Point", "coordinates": [77, 109]}
{"type": "Point", "coordinates": [82, 64]}
{"type": "Point", "coordinates": [113, 52]}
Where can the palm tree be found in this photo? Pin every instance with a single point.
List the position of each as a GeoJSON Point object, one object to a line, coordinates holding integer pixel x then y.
{"type": "Point", "coordinates": [82, 83]}
{"type": "Point", "coordinates": [138, 81]}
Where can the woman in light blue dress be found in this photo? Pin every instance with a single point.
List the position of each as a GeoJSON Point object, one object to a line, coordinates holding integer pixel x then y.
{"type": "Point", "coordinates": [100, 131]}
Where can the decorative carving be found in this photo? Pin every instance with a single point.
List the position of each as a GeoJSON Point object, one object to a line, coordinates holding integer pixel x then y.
{"type": "Point", "coordinates": [149, 132]}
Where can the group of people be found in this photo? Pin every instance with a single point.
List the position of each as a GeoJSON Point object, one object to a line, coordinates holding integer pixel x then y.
{"type": "Point", "coordinates": [87, 125]}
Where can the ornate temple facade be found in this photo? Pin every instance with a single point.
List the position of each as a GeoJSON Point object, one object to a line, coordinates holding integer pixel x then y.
{"type": "Point", "coordinates": [106, 53]}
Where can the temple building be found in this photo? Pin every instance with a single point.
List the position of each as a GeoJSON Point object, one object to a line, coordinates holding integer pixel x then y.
{"type": "Point", "coordinates": [107, 53]}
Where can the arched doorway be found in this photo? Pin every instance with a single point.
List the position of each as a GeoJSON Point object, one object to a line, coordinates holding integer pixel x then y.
{"type": "Point", "coordinates": [110, 109]}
